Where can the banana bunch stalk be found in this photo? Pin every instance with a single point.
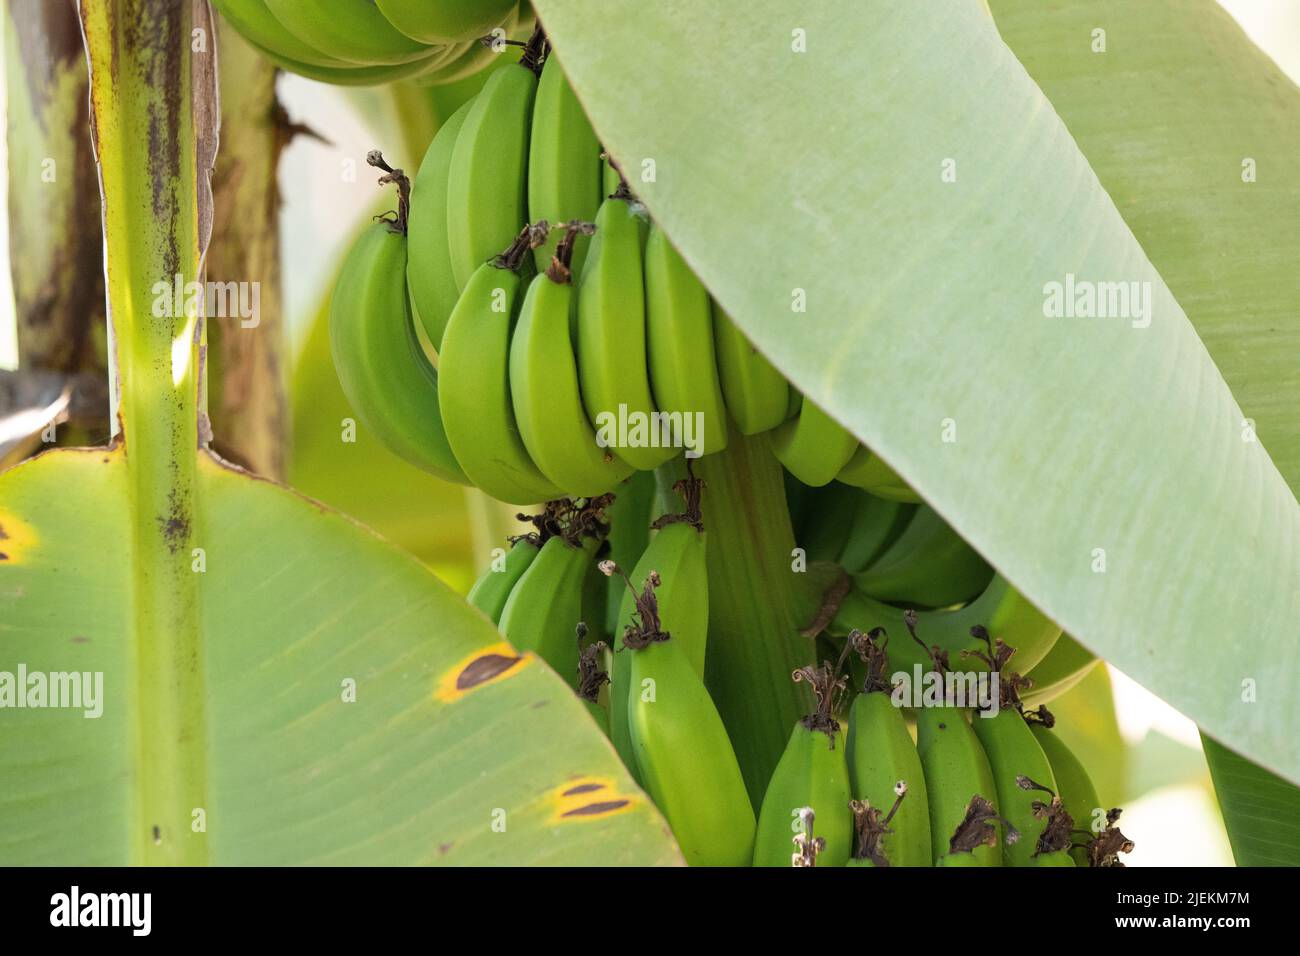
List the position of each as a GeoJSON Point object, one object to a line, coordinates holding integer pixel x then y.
{"type": "Point", "coordinates": [366, 42]}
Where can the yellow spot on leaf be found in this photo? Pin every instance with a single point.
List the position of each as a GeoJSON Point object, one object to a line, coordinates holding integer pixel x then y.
{"type": "Point", "coordinates": [485, 666]}
{"type": "Point", "coordinates": [17, 539]}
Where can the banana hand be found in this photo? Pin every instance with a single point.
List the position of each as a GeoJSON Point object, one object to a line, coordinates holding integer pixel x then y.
{"type": "Point", "coordinates": [491, 591]}
{"type": "Point", "coordinates": [546, 604]}
{"type": "Point", "coordinates": [377, 356]}
{"type": "Point", "coordinates": [1001, 609]}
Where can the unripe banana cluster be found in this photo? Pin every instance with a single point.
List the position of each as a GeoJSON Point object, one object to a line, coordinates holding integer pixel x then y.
{"type": "Point", "coordinates": [367, 42]}
{"type": "Point", "coordinates": [853, 786]}
{"type": "Point", "coordinates": [574, 343]}
{"type": "Point", "coordinates": [554, 303]}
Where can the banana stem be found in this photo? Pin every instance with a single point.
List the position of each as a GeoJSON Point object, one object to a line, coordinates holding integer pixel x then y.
{"type": "Point", "coordinates": [754, 641]}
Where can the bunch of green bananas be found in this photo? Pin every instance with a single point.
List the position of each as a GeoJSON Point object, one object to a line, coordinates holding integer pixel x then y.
{"type": "Point", "coordinates": [550, 307]}
{"type": "Point", "coordinates": [366, 42]}
{"type": "Point", "coordinates": [597, 355]}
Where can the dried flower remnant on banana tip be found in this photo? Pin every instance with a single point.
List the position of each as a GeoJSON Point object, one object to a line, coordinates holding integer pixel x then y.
{"type": "Point", "coordinates": [871, 826]}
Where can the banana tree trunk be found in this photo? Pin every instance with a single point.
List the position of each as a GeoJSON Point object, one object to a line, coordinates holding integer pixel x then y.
{"type": "Point", "coordinates": [247, 362]}
{"type": "Point", "coordinates": [55, 252]}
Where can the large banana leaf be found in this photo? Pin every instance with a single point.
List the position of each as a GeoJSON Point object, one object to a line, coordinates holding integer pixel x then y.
{"type": "Point", "coordinates": [1207, 187]}
{"type": "Point", "coordinates": [882, 197]}
{"type": "Point", "coordinates": [268, 682]}
{"type": "Point", "coordinates": [325, 725]}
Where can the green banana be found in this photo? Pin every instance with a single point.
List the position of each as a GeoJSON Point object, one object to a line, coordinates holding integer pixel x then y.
{"type": "Point", "coordinates": [682, 752]}
{"type": "Point", "coordinates": [683, 368]}
{"type": "Point", "coordinates": [351, 30]}
{"type": "Point", "coordinates": [445, 21]}
{"type": "Point", "coordinates": [675, 557]}
{"type": "Point", "coordinates": [813, 772]}
{"type": "Point", "coordinates": [1067, 663]}
{"type": "Point", "coordinates": [824, 532]}
{"type": "Point", "coordinates": [378, 358]}
{"type": "Point", "coordinates": [870, 473]}
{"type": "Point", "coordinates": [930, 565]}
{"type": "Point", "coordinates": [876, 524]}
{"type": "Point", "coordinates": [1015, 757]}
{"type": "Point", "coordinates": [756, 394]}
{"type": "Point", "coordinates": [491, 591]}
{"type": "Point", "coordinates": [429, 276]}
{"type": "Point", "coordinates": [474, 385]}
{"type": "Point", "coordinates": [545, 392]}
{"type": "Point", "coordinates": [881, 756]}
{"type": "Point", "coordinates": [814, 447]}
{"type": "Point", "coordinates": [258, 26]}
{"type": "Point", "coordinates": [957, 777]}
{"type": "Point", "coordinates": [1001, 609]}
{"type": "Point", "coordinates": [489, 166]}
{"type": "Point", "coordinates": [1075, 788]}
{"type": "Point", "coordinates": [611, 338]}
{"type": "Point", "coordinates": [546, 604]}
{"type": "Point", "coordinates": [564, 172]}
{"type": "Point", "coordinates": [629, 535]}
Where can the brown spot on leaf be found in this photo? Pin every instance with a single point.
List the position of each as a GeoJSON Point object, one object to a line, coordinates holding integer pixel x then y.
{"type": "Point", "coordinates": [596, 809]}
{"type": "Point", "coordinates": [479, 669]}
{"type": "Point", "coordinates": [483, 669]}
{"type": "Point", "coordinates": [584, 788]}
